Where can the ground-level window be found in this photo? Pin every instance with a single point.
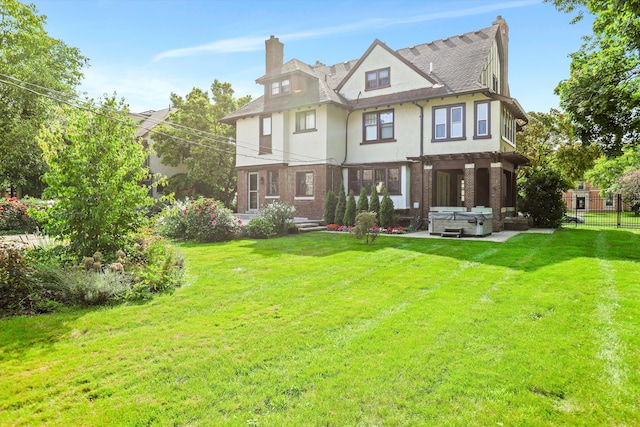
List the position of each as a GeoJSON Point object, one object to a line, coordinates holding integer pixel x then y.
{"type": "Point", "coordinates": [381, 177]}
{"type": "Point", "coordinates": [304, 184]}
{"type": "Point", "coordinates": [272, 183]}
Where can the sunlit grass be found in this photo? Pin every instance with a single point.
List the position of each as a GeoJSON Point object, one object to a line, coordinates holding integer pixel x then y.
{"type": "Point", "coordinates": [321, 329]}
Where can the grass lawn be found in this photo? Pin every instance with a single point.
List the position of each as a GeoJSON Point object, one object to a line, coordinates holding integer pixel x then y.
{"type": "Point", "coordinates": [321, 330]}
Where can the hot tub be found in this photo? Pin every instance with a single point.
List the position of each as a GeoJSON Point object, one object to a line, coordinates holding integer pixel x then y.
{"type": "Point", "coordinates": [471, 223]}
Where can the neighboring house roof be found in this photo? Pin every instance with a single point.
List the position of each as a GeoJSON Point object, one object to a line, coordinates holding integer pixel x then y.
{"type": "Point", "coordinates": [453, 64]}
{"type": "Point", "coordinates": [147, 120]}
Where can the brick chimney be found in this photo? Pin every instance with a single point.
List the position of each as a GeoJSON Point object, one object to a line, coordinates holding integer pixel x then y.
{"type": "Point", "coordinates": [275, 54]}
{"type": "Point", "coordinates": [503, 30]}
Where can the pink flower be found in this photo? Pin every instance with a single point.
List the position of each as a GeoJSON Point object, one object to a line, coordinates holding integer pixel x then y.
{"type": "Point", "coordinates": [212, 215]}
{"type": "Point", "coordinates": [213, 222]}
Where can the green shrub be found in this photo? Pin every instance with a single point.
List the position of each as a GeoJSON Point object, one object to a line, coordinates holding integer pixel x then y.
{"type": "Point", "coordinates": [374, 204]}
{"type": "Point", "coordinates": [279, 214]}
{"type": "Point", "coordinates": [363, 201]}
{"type": "Point", "coordinates": [200, 220]}
{"type": "Point", "coordinates": [386, 211]}
{"type": "Point", "coordinates": [350, 211]}
{"type": "Point", "coordinates": [260, 228]}
{"type": "Point", "coordinates": [541, 196]}
{"type": "Point", "coordinates": [330, 203]}
{"type": "Point", "coordinates": [366, 226]}
{"type": "Point", "coordinates": [341, 206]}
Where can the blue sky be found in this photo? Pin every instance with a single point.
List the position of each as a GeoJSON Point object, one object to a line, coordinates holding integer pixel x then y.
{"type": "Point", "coordinates": [145, 49]}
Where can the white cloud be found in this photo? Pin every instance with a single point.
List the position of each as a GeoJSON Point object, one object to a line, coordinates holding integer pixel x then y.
{"type": "Point", "coordinates": [250, 44]}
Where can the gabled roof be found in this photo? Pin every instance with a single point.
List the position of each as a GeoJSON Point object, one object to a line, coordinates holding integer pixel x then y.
{"type": "Point", "coordinates": [375, 43]}
{"type": "Point", "coordinates": [147, 120]}
{"type": "Point", "coordinates": [453, 64]}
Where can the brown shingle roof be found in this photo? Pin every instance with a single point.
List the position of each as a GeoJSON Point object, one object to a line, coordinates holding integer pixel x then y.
{"type": "Point", "coordinates": [456, 63]}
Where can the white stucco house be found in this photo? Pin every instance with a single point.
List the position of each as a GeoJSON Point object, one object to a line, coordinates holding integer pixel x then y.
{"type": "Point", "coordinates": [147, 121]}
{"type": "Point", "coordinates": [434, 124]}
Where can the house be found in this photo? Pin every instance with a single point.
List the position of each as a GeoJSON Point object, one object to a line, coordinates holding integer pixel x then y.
{"type": "Point", "coordinates": [146, 122]}
{"type": "Point", "coordinates": [586, 197]}
{"type": "Point", "coordinates": [434, 124]}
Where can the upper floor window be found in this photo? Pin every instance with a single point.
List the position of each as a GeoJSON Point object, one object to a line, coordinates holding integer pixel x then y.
{"type": "Point", "coordinates": [378, 126]}
{"type": "Point", "coordinates": [378, 78]}
{"type": "Point", "coordinates": [306, 121]}
{"type": "Point", "coordinates": [280, 87]}
{"type": "Point", "coordinates": [482, 112]}
{"type": "Point", "coordinates": [448, 122]}
{"type": "Point", "coordinates": [508, 126]}
{"type": "Point", "coordinates": [265, 135]}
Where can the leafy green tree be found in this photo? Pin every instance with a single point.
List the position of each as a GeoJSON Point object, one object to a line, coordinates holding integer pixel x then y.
{"type": "Point", "coordinates": [208, 153]}
{"type": "Point", "coordinates": [363, 201]}
{"type": "Point", "coordinates": [350, 210]}
{"type": "Point", "coordinates": [541, 196]}
{"type": "Point", "coordinates": [602, 94]}
{"type": "Point", "coordinates": [374, 204]}
{"type": "Point", "coordinates": [549, 140]}
{"type": "Point", "coordinates": [341, 206]}
{"type": "Point", "coordinates": [608, 170]}
{"type": "Point", "coordinates": [95, 167]}
{"type": "Point", "coordinates": [30, 61]}
{"type": "Point", "coordinates": [386, 211]}
{"type": "Point", "coordinates": [330, 203]}
{"type": "Point", "coordinates": [366, 226]}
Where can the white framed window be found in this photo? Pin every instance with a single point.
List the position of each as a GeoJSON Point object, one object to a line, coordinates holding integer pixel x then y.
{"type": "Point", "coordinates": [280, 87]}
{"type": "Point", "coordinates": [449, 122]}
{"type": "Point", "coordinates": [481, 127]}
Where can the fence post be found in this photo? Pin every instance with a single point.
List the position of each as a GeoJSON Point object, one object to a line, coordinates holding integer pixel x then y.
{"type": "Point", "coordinates": [619, 208]}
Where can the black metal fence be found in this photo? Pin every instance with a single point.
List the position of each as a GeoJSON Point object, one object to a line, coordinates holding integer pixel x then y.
{"type": "Point", "coordinates": [589, 208]}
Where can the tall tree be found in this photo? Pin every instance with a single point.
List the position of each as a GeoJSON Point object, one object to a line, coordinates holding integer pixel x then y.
{"type": "Point", "coordinates": [549, 141]}
{"type": "Point", "coordinates": [31, 64]}
{"type": "Point", "coordinates": [208, 152]}
{"type": "Point", "coordinates": [607, 171]}
{"type": "Point", "coordinates": [602, 94]}
{"type": "Point", "coordinates": [95, 167]}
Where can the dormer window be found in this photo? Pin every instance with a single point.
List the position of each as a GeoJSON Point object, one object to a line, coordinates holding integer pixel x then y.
{"type": "Point", "coordinates": [280, 87]}
{"type": "Point", "coordinates": [377, 79]}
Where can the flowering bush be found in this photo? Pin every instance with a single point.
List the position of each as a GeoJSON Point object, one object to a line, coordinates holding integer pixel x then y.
{"type": "Point", "coordinates": [17, 215]}
{"type": "Point", "coordinates": [332, 227]}
{"type": "Point", "coordinates": [200, 220]}
{"type": "Point", "coordinates": [280, 215]}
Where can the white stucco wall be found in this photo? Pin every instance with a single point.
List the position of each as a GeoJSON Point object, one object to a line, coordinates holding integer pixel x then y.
{"type": "Point", "coordinates": [402, 77]}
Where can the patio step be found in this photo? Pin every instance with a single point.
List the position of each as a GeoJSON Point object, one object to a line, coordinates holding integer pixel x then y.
{"type": "Point", "coordinates": [452, 232]}
{"type": "Point", "coordinates": [303, 227]}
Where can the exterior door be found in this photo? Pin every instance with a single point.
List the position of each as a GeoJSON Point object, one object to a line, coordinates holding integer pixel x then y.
{"type": "Point", "coordinates": [253, 191]}
{"type": "Point", "coordinates": [443, 189]}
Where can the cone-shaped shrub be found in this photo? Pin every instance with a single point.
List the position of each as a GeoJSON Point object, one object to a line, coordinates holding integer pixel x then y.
{"type": "Point", "coordinates": [330, 203]}
{"type": "Point", "coordinates": [341, 206]}
{"type": "Point", "coordinates": [386, 210]}
{"type": "Point", "coordinates": [363, 202]}
{"type": "Point", "coordinates": [350, 211]}
{"type": "Point", "coordinates": [374, 205]}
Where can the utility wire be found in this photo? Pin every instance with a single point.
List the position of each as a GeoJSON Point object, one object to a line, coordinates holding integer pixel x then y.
{"type": "Point", "coordinates": [195, 132]}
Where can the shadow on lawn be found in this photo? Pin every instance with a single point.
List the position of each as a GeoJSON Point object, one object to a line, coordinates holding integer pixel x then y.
{"type": "Point", "coordinates": [528, 251]}
{"type": "Point", "coordinates": [21, 334]}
